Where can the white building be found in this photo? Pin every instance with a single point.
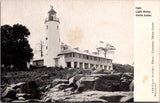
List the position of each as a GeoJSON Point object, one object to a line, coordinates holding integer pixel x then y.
{"type": "Point", "coordinates": [56, 55]}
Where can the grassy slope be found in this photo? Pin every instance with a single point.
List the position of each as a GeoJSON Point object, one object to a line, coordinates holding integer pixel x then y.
{"type": "Point", "coordinates": [36, 75]}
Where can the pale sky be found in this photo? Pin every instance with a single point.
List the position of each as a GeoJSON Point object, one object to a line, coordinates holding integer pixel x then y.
{"type": "Point", "coordinates": [85, 21]}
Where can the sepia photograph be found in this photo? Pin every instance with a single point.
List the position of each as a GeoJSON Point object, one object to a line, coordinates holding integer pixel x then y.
{"type": "Point", "coordinates": [67, 51]}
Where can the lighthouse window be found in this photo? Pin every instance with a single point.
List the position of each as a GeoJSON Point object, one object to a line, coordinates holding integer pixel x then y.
{"type": "Point", "coordinates": [57, 27]}
{"type": "Point", "coordinates": [46, 47]}
{"type": "Point", "coordinates": [47, 27]}
{"type": "Point", "coordinates": [46, 38]}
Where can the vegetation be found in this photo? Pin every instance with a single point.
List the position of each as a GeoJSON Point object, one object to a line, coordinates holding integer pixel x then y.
{"type": "Point", "coordinates": [42, 76]}
{"type": "Point", "coordinates": [123, 68]}
{"type": "Point", "coordinates": [15, 49]}
{"type": "Point", "coordinates": [105, 48]}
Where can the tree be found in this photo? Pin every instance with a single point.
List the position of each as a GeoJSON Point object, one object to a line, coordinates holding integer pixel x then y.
{"type": "Point", "coordinates": [106, 48]}
{"type": "Point", "coordinates": [123, 68]}
{"type": "Point", "coordinates": [41, 48]}
{"type": "Point", "coordinates": [15, 49]}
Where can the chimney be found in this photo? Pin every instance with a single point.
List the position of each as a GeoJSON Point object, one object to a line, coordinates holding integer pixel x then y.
{"type": "Point", "coordinates": [87, 51]}
{"type": "Point", "coordinates": [76, 48]}
{"type": "Point", "coordinates": [95, 53]}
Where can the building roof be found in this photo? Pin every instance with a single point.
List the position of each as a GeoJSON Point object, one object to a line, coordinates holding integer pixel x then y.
{"type": "Point", "coordinates": [72, 50]}
{"type": "Point", "coordinates": [52, 11]}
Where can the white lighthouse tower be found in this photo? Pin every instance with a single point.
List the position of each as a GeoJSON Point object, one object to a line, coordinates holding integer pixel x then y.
{"type": "Point", "coordinates": [52, 39]}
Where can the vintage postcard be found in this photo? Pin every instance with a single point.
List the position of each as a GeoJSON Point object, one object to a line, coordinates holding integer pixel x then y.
{"type": "Point", "coordinates": [80, 50]}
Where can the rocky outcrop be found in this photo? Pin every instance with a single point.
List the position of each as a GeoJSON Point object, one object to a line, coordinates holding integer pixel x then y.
{"type": "Point", "coordinates": [59, 81]}
{"type": "Point", "coordinates": [9, 93]}
{"type": "Point", "coordinates": [126, 80]}
{"type": "Point", "coordinates": [90, 88]}
{"type": "Point", "coordinates": [131, 86]}
{"type": "Point", "coordinates": [21, 92]}
{"type": "Point", "coordinates": [86, 96]}
{"type": "Point", "coordinates": [30, 88]}
{"type": "Point", "coordinates": [107, 83]}
{"type": "Point", "coordinates": [86, 83]}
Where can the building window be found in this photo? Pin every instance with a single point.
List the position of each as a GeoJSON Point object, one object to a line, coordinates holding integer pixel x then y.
{"type": "Point", "coordinates": [84, 57]}
{"type": "Point", "coordinates": [87, 56]}
{"type": "Point", "coordinates": [68, 64]}
{"type": "Point", "coordinates": [73, 54]}
{"type": "Point", "coordinates": [46, 38]}
{"type": "Point", "coordinates": [47, 27]}
{"type": "Point", "coordinates": [90, 57]}
{"type": "Point", "coordinates": [57, 27]}
{"type": "Point", "coordinates": [95, 59]}
{"type": "Point", "coordinates": [75, 64]}
{"type": "Point", "coordinates": [70, 55]}
{"type": "Point", "coordinates": [105, 67]}
{"type": "Point", "coordinates": [46, 47]}
{"type": "Point", "coordinates": [81, 65]}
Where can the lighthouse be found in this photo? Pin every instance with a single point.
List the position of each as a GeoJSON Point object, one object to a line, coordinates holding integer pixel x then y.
{"type": "Point", "coordinates": [52, 38]}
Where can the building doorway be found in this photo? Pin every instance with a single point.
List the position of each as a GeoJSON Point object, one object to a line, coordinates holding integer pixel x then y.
{"type": "Point", "coordinates": [68, 64]}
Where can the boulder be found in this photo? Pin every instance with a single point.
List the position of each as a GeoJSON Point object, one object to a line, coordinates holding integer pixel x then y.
{"type": "Point", "coordinates": [33, 100]}
{"type": "Point", "coordinates": [85, 83]}
{"type": "Point", "coordinates": [62, 86]}
{"type": "Point", "coordinates": [30, 88]}
{"type": "Point", "coordinates": [19, 101]}
{"type": "Point", "coordinates": [73, 80]}
{"type": "Point", "coordinates": [47, 87]}
{"type": "Point", "coordinates": [47, 99]}
{"type": "Point", "coordinates": [15, 86]}
{"type": "Point", "coordinates": [24, 95]}
{"type": "Point", "coordinates": [114, 98]}
{"type": "Point", "coordinates": [45, 76]}
{"type": "Point", "coordinates": [124, 86]}
{"type": "Point", "coordinates": [127, 99]}
{"type": "Point", "coordinates": [19, 84]}
{"type": "Point", "coordinates": [131, 86]}
{"type": "Point", "coordinates": [21, 98]}
{"type": "Point", "coordinates": [107, 83]}
{"type": "Point", "coordinates": [9, 93]}
{"type": "Point", "coordinates": [7, 100]}
{"type": "Point", "coordinates": [58, 81]}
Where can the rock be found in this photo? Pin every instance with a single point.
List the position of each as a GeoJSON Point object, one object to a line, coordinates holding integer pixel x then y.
{"type": "Point", "coordinates": [21, 98]}
{"type": "Point", "coordinates": [47, 87]}
{"type": "Point", "coordinates": [85, 83]}
{"type": "Point", "coordinates": [9, 93]}
{"type": "Point", "coordinates": [34, 100]}
{"type": "Point", "coordinates": [124, 86]}
{"type": "Point", "coordinates": [107, 83]}
{"type": "Point", "coordinates": [86, 72]}
{"type": "Point", "coordinates": [114, 98]}
{"type": "Point", "coordinates": [131, 86]}
{"type": "Point", "coordinates": [24, 95]}
{"type": "Point", "coordinates": [19, 101]}
{"type": "Point", "coordinates": [62, 86]}
{"type": "Point", "coordinates": [7, 100]}
{"type": "Point", "coordinates": [58, 81]}
{"type": "Point", "coordinates": [30, 88]}
{"type": "Point", "coordinates": [45, 76]}
{"type": "Point", "coordinates": [47, 99]}
{"type": "Point", "coordinates": [73, 80]}
{"type": "Point", "coordinates": [15, 86]}
{"type": "Point", "coordinates": [19, 84]}
{"type": "Point", "coordinates": [127, 99]}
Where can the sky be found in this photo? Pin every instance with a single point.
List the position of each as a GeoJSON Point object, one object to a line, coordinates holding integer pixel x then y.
{"type": "Point", "coordinates": [83, 23]}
